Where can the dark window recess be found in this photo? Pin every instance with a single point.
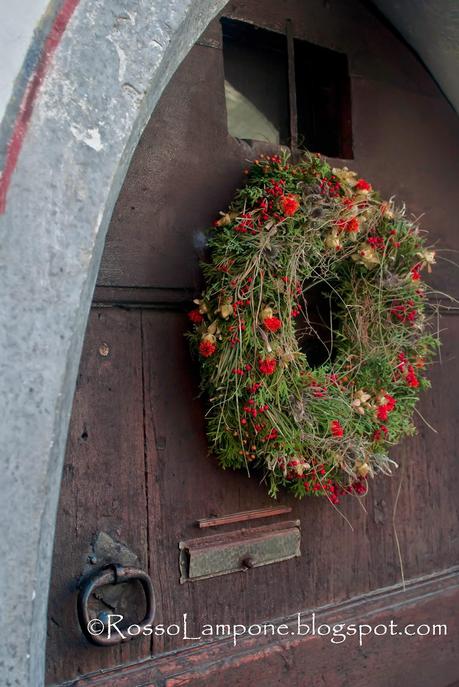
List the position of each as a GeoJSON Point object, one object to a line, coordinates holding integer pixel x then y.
{"type": "Point", "coordinates": [256, 82]}
{"type": "Point", "coordinates": [257, 90]}
{"type": "Point", "coordinates": [323, 100]}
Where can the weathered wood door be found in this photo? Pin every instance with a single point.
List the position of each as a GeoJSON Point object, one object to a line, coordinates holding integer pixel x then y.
{"type": "Point", "coordinates": [138, 476]}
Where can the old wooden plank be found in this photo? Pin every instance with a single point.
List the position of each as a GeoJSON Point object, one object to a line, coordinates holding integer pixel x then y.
{"type": "Point", "coordinates": [179, 466]}
{"type": "Point", "coordinates": [103, 491]}
{"type": "Point", "coordinates": [309, 660]}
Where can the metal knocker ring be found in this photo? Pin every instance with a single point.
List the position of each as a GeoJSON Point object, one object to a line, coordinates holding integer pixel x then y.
{"type": "Point", "coordinates": [113, 574]}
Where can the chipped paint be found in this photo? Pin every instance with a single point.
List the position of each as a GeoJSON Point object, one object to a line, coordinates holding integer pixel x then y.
{"type": "Point", "coordinates": [90, 136]}
{"type": "Point", "coordinates": [122, 60]}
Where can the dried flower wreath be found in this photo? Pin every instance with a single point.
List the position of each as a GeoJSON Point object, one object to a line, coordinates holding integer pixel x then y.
{"type": "Point", "coordinates": [319, 426]}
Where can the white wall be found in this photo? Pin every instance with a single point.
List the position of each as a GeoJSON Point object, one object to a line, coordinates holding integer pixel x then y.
{"type": "Point", "coordinates": [18, 19]}
{"type": "Point", "coordinates": [431, 27]}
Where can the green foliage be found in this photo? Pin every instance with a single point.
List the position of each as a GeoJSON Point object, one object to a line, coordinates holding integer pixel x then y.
{"type": "Point", "coordinates": [293, 229]}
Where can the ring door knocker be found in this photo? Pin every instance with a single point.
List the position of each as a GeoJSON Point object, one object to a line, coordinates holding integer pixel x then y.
{"type": "Point", "coordinates": [114, 574]}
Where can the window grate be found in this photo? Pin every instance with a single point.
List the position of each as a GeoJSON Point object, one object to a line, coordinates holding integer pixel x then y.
{"type": "Point", "coordinates": [286, 91]}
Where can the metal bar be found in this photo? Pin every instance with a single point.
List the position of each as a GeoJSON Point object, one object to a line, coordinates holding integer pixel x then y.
{"type": "Point", "coordinates": [292, 87]}
{"type": "Point", "coordinates": [243, 516]}
{"type": "Point", "coordinates": [143, 297]}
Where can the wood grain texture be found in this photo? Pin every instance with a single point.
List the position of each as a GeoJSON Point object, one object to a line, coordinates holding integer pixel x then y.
{"type": "Point", "coordinates": [308, 661]}
{"type": "Point", "coordinates": [340, 558]}
{"type": "Point", "coordinates": [137, 463]}
{"type": "Point", "coordinates": [103, 486]}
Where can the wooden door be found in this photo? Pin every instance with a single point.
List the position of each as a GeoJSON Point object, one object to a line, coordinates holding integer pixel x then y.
{"type": "Point", "coordinates": [138, 476]}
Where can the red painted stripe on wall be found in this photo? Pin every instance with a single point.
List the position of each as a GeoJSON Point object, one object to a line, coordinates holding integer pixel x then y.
{"type": "Point", "coordinates": [27, 104]}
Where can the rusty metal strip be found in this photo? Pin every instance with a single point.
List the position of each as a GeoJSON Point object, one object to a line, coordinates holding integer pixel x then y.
{"type": "Point", "coordinates": [243, 516]}
{"type": "Point", "coordinates": [292, 86]}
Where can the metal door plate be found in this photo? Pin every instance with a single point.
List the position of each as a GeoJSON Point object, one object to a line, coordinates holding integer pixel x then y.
{"type": "Point", "coordinates": [238, 551]}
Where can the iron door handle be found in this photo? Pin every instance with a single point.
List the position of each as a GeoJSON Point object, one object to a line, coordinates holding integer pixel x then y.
{"type": "Point", "coordinates": [114, 574]}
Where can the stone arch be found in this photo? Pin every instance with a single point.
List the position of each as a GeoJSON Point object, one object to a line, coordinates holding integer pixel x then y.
{"type": "Point", "coordinates": [106, 73]}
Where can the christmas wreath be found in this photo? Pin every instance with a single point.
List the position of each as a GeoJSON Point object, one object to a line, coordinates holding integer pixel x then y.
{"type": "Point", "coordinates": [312, 331]}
